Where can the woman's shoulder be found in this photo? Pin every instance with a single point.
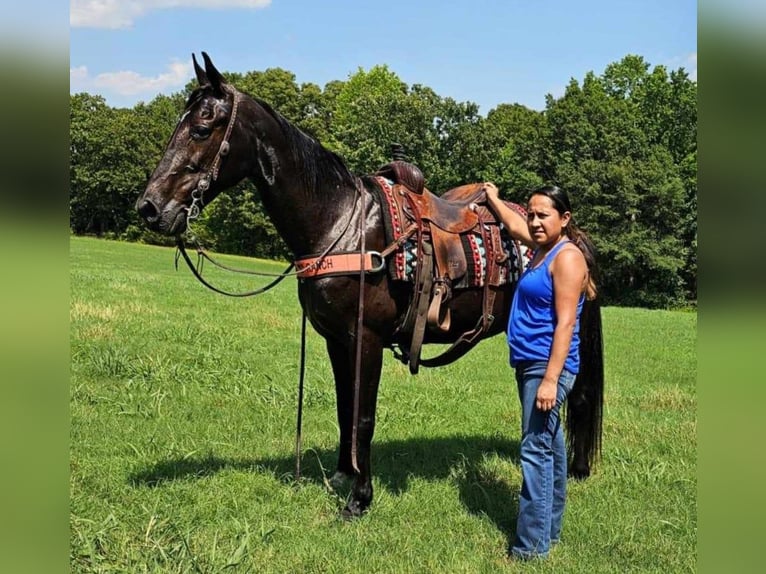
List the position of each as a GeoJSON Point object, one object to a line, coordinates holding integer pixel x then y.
{"type": "Point", "coordinates": [568, 255]}
{"type": "Point", "coordinates": [569, 247]}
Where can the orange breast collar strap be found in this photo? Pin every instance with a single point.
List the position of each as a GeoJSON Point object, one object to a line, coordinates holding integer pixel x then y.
{"type": "Point", "coordinates": [339, 264]}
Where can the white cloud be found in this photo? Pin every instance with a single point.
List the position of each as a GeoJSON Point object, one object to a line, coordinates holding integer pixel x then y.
{"type": "Point", "coordinates": [688, 62]}
{"type": "Point", "coordinates": [78, 74]}
{"type": "Point", "coordinates": [128, 83]}
{"type": "Point", "coordinates": [691, 66]}
{"type": "Point", "coordinates": [122, 13]}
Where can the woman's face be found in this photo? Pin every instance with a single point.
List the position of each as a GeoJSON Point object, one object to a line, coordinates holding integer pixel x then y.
{"type": "Point", "coordinates": [546, 224]}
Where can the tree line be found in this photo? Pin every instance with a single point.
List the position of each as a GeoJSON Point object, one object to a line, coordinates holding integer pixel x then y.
{"type": "Point", "coordinates": [623, 144]}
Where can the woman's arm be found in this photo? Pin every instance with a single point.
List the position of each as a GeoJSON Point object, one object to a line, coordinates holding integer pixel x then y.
{"type": "Point", "coordinates": [569, 272]}
{"type": "Point", "coordinates": [514, 222]}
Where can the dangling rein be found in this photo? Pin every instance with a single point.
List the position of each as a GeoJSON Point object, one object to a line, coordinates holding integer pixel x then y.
{"type": "Point", "coordinates": [202, 256]}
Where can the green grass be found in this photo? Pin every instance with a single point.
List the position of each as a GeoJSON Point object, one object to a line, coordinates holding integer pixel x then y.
{"type": "Point", "coordinates": [183, 407]}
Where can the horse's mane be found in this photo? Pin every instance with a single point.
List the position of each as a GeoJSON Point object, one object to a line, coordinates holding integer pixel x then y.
{"type": "Point", "coordinates": [321, 166]}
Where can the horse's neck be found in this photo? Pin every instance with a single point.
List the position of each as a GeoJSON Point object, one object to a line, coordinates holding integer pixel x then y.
{"type": "Point", "coordinates": [307, 202]}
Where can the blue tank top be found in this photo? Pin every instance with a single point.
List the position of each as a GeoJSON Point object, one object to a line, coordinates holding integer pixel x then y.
{"type": "Point", "coordinates": [533, 317]}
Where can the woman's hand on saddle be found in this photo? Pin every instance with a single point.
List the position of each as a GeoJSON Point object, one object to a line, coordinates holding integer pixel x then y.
{"type": "Point", "coordinates": [514, 222]}
{"type": "Point", "coordinates": [491, 190]}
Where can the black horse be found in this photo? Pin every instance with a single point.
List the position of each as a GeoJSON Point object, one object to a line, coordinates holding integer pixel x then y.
{"type": "Point", "coordinates": [314, 201]}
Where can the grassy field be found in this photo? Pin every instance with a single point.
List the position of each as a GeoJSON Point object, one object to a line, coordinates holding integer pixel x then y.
{"type": "Point", "coordinates": [183, 408]}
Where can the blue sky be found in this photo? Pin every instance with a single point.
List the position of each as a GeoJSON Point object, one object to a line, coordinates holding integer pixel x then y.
{"type": "Point", "coordinates": [485, 51]}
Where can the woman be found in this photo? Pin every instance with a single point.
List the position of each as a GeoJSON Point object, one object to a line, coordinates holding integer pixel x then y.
{"type": "Point", "coordinates": [543, 335]}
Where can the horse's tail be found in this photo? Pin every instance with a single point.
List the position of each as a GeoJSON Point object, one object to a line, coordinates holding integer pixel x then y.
{"type": "Point", "coordinates": [586, 400]}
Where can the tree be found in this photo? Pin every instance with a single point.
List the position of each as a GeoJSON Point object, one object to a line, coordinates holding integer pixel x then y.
{"type": "Point", "coordinates": [626, 189]}
{"type": "Point", "coordinates": [623, 145]}
{"type": "Point", "coordinates": [462, 145]}
{"type": "Point", "coordinates": [109, 156]}
{"type": "Point", "coordinates": [667, 111]}
{"type": "Point", "coordinates": [515, 136]}
{"type": "Point", "coordinates": [369, 115]}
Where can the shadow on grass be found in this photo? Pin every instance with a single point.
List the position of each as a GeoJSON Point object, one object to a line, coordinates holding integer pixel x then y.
{"type": "Point", "coordinates": [393, 464]}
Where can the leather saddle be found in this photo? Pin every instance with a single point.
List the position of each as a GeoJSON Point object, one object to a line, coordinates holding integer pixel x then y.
{"type": "Point", "coordinates": [439, 224]}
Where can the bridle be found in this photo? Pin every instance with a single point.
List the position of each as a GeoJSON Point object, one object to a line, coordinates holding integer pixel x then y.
{"type": "Point", "coordinates": [195, 208]}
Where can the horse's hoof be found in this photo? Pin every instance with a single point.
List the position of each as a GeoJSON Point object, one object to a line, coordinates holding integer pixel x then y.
{"type": "Point", "coordinates": [353, 510]}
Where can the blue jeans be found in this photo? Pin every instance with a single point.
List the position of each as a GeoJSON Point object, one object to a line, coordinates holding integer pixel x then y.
{"type": "Point", "coordinates": [543, 464]}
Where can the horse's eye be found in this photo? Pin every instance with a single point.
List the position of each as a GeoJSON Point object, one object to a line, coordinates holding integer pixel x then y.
{"type": "Point", "coordinates": [200, 132]}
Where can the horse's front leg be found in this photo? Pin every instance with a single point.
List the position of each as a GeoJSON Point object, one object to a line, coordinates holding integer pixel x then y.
{"type": "Point", "coordinates": [344, 396]}
{"type": "Point", "coordinates": [372, 360]}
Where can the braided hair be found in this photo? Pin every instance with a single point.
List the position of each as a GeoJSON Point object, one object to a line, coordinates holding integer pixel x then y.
{"type": "Point", "coordinates": [561, 203]}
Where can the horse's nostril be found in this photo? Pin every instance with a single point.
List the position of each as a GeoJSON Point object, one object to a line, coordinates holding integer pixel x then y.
{"type": "Point", "coordinates": [147, 210]}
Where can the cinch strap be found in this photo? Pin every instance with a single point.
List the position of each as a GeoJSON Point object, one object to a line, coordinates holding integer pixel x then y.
{"type": "Point", "coordinates": [339, 264]}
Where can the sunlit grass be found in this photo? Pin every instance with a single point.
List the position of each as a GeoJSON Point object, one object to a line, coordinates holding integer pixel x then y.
{"type": "Point", "coordinates": [183, 407]}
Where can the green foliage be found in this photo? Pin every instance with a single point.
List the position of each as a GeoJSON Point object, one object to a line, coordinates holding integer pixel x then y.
{"type": "Point", "coordinates": [370, 113]}
{"type": "Point", "coordinates": [105, 153]}
{"type": "Point", "coordinates": [517, 139]}
{"type": "Point", "coordinates": [462, 148]}
{"type": "Point", "coordinates": [627, 187]}
{"type": "Point", "coordinates": [112, 154]}
{"type": "Point", "coordinates": [622, 144]}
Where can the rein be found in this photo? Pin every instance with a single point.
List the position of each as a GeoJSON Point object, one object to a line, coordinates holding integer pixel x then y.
{"type": "Point", "coordinates": [359, 324]}
{"type": "Point", "coordinates": [314, 265]}
{"type": "Point", "coordinates": [196, 270]}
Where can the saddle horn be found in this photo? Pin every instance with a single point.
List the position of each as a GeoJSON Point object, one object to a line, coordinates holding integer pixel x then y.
{"type": "Point", "coordinates": [397, 152]}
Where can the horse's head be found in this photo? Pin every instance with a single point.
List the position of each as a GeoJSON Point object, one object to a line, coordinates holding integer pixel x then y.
{"type": "Point", "coordinates": [187, 176]}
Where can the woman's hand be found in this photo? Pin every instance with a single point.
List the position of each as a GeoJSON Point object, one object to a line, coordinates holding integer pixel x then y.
{"type": "Point", "coordinates": [514, 222]}
{"type": "Point", "coordinates": [546, 395]}
{"type": "Point", "coordinates": [491, 191]}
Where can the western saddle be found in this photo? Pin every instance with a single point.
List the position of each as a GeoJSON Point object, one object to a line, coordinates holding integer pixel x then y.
{"type": "Point", "coordinates": [439, 225]}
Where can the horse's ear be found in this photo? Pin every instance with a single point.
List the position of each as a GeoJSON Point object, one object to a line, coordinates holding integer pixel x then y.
{"type": "Point", "coordinates": [201, 75]}
{"type": "Point", "coordinates": [214, 76]}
